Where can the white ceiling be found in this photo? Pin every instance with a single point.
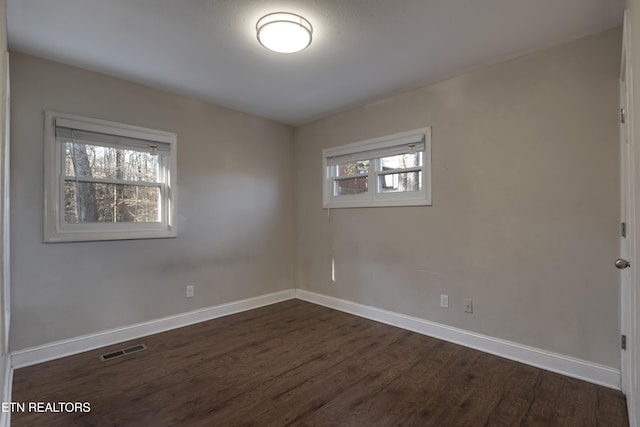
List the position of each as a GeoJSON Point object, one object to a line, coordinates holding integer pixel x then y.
{"type": "Point", "coordinates": [362, 50]}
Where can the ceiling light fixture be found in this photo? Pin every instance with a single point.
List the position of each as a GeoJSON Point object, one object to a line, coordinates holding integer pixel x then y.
{"type": "Point", "coordinates": [284, 32]}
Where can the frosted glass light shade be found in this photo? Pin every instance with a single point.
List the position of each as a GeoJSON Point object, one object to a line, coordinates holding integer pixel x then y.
{"type": "Point", "coordinates": [284, 32]}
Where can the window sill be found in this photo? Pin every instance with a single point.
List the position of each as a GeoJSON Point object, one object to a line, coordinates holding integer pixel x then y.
{"type": "Point", "coordinates": [375, 204]}
{"type": "Point", "coordinates": [90, 236]}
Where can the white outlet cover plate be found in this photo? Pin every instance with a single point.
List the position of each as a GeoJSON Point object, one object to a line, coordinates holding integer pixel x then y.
{"type": "Point", "coordinates": [444, 301]}
{"type": "Point", "coordinates": [468, 306]}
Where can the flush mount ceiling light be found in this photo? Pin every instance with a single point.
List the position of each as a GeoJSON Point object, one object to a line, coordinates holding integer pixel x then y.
{"type": "Point", "coordinates": [284, 32]}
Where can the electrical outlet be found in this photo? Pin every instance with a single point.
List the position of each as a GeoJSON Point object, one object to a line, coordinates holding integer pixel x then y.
{"type": "Point", "coordinates": [190, 291]}
{"type": "Point", "coordinates": [468, 306]}
{"type": "Point", "coordinates": [444, 301]}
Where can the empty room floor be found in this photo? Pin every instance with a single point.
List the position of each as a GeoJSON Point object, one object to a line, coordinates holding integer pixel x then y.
{"type": "Point", "coordinates": [296, 363]}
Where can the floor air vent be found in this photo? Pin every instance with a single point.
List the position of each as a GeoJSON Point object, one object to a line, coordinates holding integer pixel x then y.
{"type": "Point", "coordinates": [123, 352]}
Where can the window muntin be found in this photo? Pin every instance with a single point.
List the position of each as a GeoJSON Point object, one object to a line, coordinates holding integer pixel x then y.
{"type": "Point", "coordinates": [107, 181]}
{"type": "Point", "coordinates": [387, 171]}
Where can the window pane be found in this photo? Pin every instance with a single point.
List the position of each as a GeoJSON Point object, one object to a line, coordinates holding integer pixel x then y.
{"type": "Point", "coordinates": [353, 168]}
{"type": "Point", "coordinates": [88, 202]}
{"type": "Point", "coordinates": [93, 161]}
{"type": "Point", "coordinates": [399, 182]}
{"type": "Point", "coordinates": [343, 187]}
{"type": "Point", "coordinates": [402, 161]}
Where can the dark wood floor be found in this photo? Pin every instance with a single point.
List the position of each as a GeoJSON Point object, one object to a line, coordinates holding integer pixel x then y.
{"type": "Point", "coordinates": [300, 364]}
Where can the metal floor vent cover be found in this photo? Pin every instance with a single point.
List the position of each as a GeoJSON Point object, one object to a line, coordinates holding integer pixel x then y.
{"type": "Point", "coordinates": [123, 352]}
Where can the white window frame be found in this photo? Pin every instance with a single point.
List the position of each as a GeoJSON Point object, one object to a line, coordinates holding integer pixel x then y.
{"type": "Point", "coordinates": [56, 230]}
{"type": "Point", "coordinates": [363, 151]}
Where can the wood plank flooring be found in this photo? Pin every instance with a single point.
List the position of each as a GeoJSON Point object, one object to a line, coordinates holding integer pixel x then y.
{"type": "Point", "coordinates": [299, 364]}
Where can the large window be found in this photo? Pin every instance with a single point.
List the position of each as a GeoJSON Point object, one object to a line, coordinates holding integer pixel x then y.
{"type": "Point", "coordinates": [107, 181]}
{"type": "Point", "coordinates": [394, 170]}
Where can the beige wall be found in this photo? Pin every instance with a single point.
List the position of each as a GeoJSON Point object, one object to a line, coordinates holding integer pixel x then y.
{"type": "Point", "coordinates": [234, 213]}
{"type": "Point", "coordinates": [525, 213]}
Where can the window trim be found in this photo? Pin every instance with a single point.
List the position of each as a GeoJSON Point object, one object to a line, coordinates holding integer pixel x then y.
{"type": "Point", "coordinates": [373, 198]}
{"type": "Point", "coordinates": [55, 230]}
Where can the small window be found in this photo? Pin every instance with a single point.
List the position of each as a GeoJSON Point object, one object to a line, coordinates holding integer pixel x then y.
{"type": "Point", "coordinates": [394, 170]}
{"type": "Point", "coordinates": [107, 181]}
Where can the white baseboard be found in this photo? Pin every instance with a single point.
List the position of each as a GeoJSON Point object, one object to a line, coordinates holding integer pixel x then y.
{"type": "Point", "coordinates": [5, 417]}
{"type": "Point", "coordinates": [565, 365]}
{"type": "Point", "coordinates": [58, 349]}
